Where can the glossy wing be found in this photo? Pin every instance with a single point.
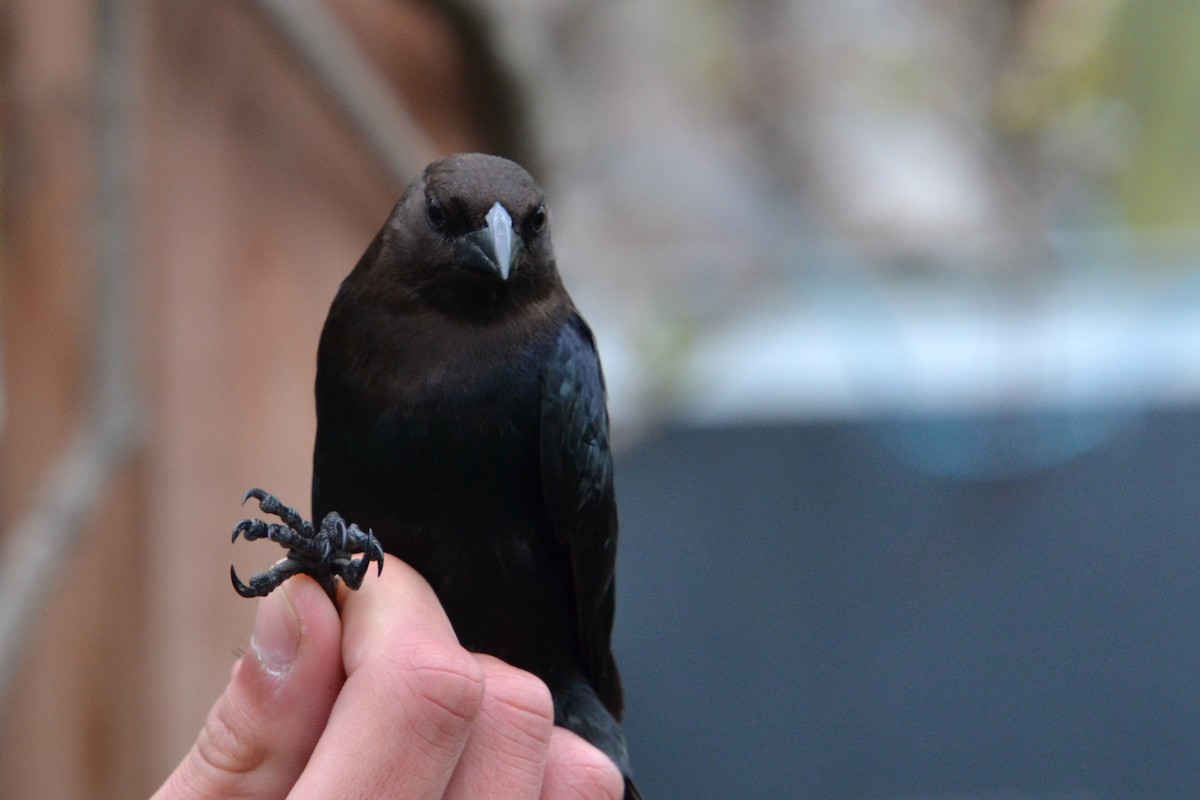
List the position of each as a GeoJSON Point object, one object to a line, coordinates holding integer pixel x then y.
{"type": "Point", "coordinates": [577, 479]}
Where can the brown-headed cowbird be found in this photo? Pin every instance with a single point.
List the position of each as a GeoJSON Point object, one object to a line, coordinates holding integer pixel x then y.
{"type": "Point", "coordinates": [461, 419]}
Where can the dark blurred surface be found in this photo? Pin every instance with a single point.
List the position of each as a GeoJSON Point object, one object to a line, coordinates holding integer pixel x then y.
{"type": "Point", "coordinates": [814, 611]}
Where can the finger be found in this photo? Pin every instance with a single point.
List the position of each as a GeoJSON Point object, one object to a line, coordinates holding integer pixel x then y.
{"type": "Point", "coordinates": [261, 732]}
{"type": "Point", "coordinates": [577, 770]}
{"type": "Point", "coordinates": [505, 756]}
{"type": "Point", "coordinates": [410, 697]}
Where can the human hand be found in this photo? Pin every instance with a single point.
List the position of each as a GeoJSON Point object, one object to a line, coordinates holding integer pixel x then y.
{"type": "Point", "coordinates": [383, 703]}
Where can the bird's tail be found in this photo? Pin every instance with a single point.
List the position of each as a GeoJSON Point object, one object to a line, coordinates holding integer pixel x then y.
{"type": "Point", "coordinates": [577, 708]}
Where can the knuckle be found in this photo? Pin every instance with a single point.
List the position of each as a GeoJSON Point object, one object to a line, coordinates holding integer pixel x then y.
{"type": "Point", "coordinates": [447, 685]}
{"type": "Point", "coordinates": [521, 700]}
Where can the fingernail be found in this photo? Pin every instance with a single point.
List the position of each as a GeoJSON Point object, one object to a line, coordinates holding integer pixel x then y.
{"type": "Point", "coordinates": [276, 636]}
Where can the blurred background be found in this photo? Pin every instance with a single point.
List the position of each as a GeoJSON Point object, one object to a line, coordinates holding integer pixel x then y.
{"type": "Point", "coordinates": [899, 303]}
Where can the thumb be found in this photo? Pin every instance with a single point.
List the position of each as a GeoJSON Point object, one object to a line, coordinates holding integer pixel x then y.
{"type": "Point", "coordinates": [261, 732]}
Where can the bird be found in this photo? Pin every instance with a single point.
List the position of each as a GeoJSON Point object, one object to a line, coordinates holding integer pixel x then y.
{"type": "Point", "coordinates": [462, 425]}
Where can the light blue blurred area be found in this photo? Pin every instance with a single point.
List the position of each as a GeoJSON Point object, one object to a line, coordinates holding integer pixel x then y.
{"type": "Point", "coordinates": [1101, 335]}
{"type": "Point", "coordinates": [1110, 347]}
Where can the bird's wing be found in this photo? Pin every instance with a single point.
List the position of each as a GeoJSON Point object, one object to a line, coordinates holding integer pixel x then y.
{"type": "Point", "coordinates": [577, 479]}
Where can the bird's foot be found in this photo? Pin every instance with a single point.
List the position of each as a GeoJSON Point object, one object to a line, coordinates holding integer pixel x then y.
{"type": "Point", "coordinates": [324, 553]}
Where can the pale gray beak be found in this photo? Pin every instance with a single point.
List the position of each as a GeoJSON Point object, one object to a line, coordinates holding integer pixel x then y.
{"type": "Point", "coordinates": [504, 241]}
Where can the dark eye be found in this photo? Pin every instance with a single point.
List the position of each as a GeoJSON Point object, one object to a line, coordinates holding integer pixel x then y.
{"type": "Point", "coordinates": [437, 214]}
{"type": "Point", "coordinates": [537, 220]}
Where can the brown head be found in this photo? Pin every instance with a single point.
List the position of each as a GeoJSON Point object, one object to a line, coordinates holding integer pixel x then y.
{"type": "Point", "coordinates": [470, 236]}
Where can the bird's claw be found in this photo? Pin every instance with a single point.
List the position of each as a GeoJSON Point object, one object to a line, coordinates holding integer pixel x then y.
{"type": "Point", "coordinates": [324, 553]}
{"type": "Point", "coordinates": [250, 529]}
{"type": "Point", "coordinates": [256, 493]}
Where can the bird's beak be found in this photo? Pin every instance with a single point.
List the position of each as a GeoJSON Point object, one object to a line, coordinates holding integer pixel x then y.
{"type": "Point", "coordinates": [495, 247]}
{"type": "Point", "coordinates": [504, 241]}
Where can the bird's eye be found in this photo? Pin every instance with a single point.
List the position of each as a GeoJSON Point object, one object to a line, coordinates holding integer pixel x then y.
{"type": "Point", "coordinates": [437, 214]}
{"type": "Point", "coordinates": [537, 221]}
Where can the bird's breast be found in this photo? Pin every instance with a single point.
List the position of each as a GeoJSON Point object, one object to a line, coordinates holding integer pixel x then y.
{"type": "Point", "coordinates": [431, 437]}
{"type": "Point", "coordinates": [444, 431]}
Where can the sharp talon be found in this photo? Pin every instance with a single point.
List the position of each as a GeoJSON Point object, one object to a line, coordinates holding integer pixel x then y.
{"type": "Point", "coordinates": [239, 587]}
{"type": "Point", "coordinates": [257, 494]}
{"type": "Point", "coordinates": [240, 528]}
{"type": "Point", "coordinates": [341, 529]}
{"type": "Point", "coordinates": [373, 549]}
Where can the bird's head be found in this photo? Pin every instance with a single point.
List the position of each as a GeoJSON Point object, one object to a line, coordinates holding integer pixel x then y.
{"type": "Point", "coordinates": [471, 233]}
